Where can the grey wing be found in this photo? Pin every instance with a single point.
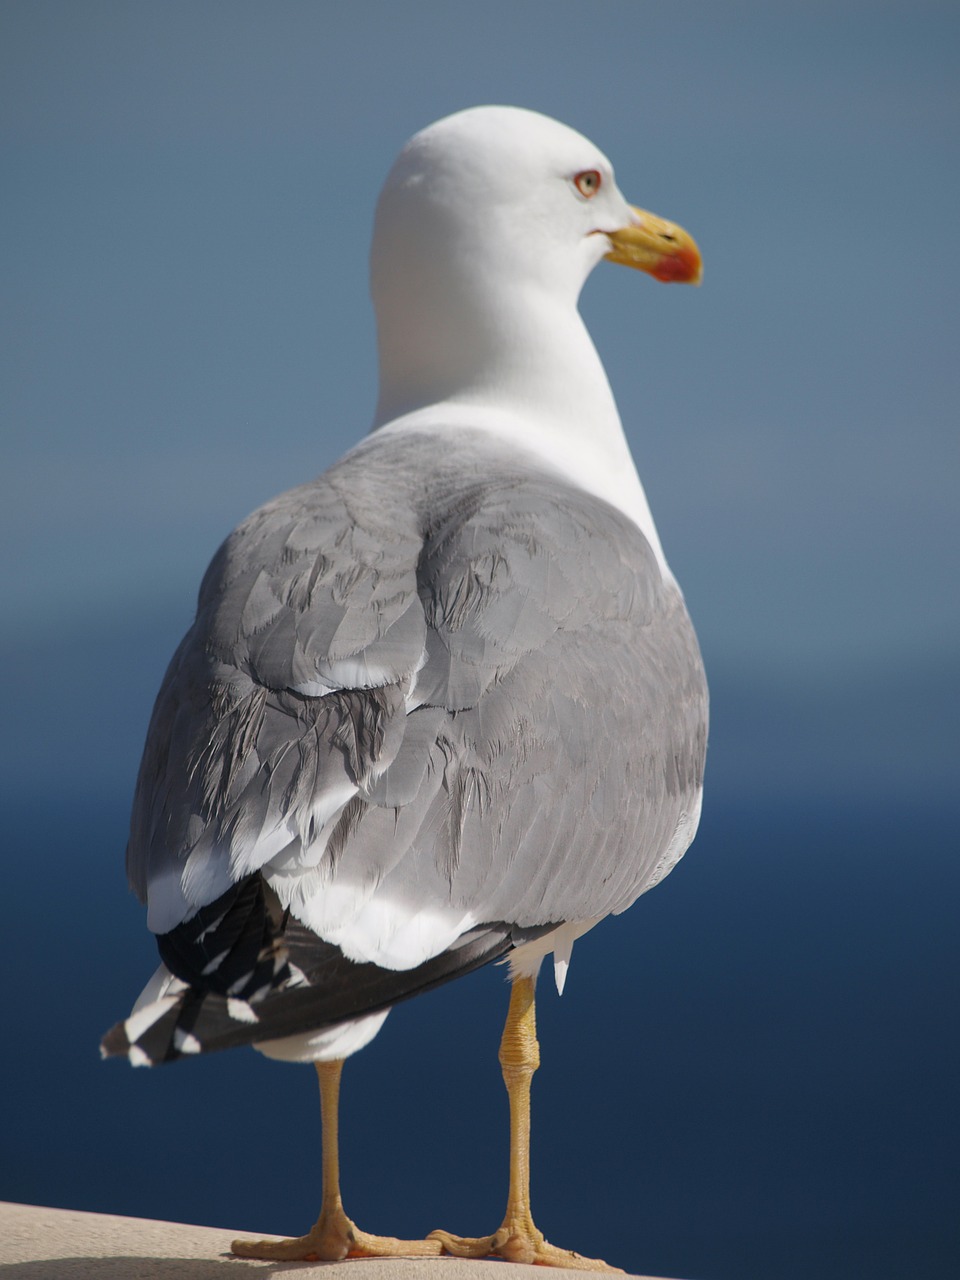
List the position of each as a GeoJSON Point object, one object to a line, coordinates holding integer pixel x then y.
{"type": "Point", "coordinates": [560, 765]}
{"type": "Point", "coordinates": [414, 712]}
{"type": "Point", "coordinates": [283, 700]}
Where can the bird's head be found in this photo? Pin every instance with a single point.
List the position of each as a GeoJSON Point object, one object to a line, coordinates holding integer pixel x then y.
{"type": "Point", "coordinates": [511, 191]}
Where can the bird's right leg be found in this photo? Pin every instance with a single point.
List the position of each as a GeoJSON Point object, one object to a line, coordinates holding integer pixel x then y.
{"type": "Point", "coordinates": [333, 1236]}
{"type": "Point", "coordinates": [519, 1239]}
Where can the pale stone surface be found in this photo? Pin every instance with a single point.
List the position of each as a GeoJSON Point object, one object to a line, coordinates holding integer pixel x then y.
{"type": "Point", "coordinates": [52, 1244]}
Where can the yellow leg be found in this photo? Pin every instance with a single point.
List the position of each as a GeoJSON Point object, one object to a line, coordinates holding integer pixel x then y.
{"type": "Point", "coordinates": [518, 1239]}
{"type": "Point", "coordinates": [333, 1236]}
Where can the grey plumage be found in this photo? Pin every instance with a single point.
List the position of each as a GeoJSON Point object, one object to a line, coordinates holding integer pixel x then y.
{"type": "Point", "coordinates": [560, 731]}
{"type": "Point", "coordinates": [442, 676]}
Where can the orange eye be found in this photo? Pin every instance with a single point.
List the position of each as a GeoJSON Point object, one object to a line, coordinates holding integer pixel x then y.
{"type": "Point", "coordinates": [588, 182]}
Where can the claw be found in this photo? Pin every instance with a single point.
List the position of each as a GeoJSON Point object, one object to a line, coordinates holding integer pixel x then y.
{"type": "Point", "coordinates": [518, 1243]}
{"type": "Point", "coordinates": [334, 1238]}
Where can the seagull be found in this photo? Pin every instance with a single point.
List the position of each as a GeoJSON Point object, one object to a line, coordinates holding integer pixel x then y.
{"type": "Point", "coordinates": [443, 705]}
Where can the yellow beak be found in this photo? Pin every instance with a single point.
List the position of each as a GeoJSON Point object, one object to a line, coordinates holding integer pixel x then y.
{"type": "Point", "coordinates": [662, 249]}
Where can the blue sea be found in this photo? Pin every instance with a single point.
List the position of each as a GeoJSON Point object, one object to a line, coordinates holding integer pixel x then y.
{"type": "Point", "coordinates": [751, 1074]}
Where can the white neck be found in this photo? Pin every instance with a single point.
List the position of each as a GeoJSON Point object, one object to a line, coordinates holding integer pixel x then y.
{"type": "Point", "coordinates": [534, 379]}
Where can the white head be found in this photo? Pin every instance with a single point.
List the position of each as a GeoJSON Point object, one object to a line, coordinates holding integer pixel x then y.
{"type": "Point", "coordinates": [495, 187]}
{"type": "Point", "coordinates": [486, 229]}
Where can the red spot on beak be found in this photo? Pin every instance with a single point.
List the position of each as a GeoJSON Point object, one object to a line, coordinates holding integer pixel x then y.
{"type": "Point", "coordinates": [683, 267]}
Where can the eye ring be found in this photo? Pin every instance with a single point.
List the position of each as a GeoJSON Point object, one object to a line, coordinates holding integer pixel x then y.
{"type": "Point", "coordinates": [588, 183]}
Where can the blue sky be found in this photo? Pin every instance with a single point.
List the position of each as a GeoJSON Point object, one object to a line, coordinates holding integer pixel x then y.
{"type": "Point", "coordinates": [189, 198]}
{"type": "Point", "coordinates": [188, 191]}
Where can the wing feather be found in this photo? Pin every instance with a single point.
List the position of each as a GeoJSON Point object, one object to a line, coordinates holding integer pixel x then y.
{"type": "Point", "coordinates": [449, 689]}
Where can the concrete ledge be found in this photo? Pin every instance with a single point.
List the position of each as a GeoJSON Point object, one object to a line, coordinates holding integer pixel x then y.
{"type": "Point", "coordinates": [49, 1244]}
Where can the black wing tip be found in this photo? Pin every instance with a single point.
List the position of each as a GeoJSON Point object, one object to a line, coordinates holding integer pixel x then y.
{"type": "Point", "coordinates": [332, 991]}
{"type": "Point", "coordinates": [117, 1044]}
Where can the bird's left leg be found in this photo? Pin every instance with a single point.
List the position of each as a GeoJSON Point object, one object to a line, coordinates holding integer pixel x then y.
{"type": "Point", "coordinates": [333, 1236]}
{"type": "Point", "coordinates": [518, 1238]}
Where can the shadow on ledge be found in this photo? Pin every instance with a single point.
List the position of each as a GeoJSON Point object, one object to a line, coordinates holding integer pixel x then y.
{"type": "Point", "coordinates": [132, 1267]}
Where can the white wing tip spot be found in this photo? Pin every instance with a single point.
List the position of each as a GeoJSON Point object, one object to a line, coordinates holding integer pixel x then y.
{"type": "Point", "coordinates": [214, 964]}
{"type": "Point", "coordinates": [240, 1011]}
{"type": "Point", "coordinates": [297, 977]}
{"type": "Point", "coordinates": [184, 1042]}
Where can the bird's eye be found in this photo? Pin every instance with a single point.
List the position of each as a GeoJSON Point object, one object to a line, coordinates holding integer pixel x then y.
{"type": "Point", "coordinates": [588, 182]}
